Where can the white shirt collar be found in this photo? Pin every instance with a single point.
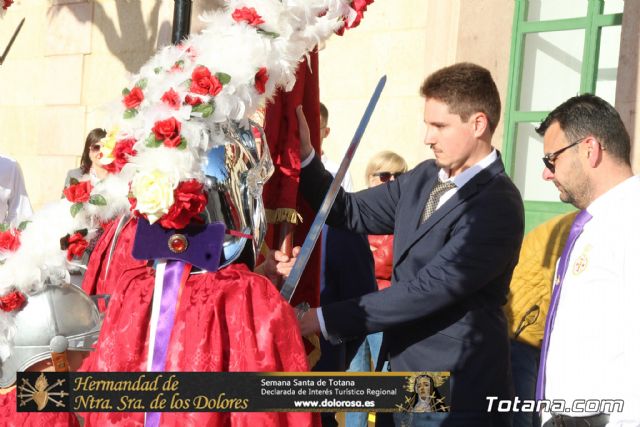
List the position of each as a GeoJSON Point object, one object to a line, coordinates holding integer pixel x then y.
{"type": "Point", "coordinates": [466, 175]}
{"type": "Point", "coordinates": [610, 198]}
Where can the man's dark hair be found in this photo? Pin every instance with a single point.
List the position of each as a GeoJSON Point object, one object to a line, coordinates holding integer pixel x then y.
{"type": "Point", "coordinates": [586, 115]}
{"type": "Point", "coordinates": [324, 113]}
{"type": "Point", "coordinates": [467, 89]}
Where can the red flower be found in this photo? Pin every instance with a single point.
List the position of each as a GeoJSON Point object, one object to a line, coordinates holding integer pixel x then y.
{"type": "Point", "coordinates": [262, 76]}
{"type": "Point", "coordinates": [7, 3]}
{"type": "Point", "coordinates": [12, 301]}
{"type": "Point", "coordinates": [190, 200]}
{"type": "Point", "coordinates": [193, 100]}
{"type": "Point", "coordinates": [76, 245]}
{"type": "Point", "coordinates": [177, 66]}
{"type": "Point", "coordinates": [133, 98]}
{"type": "Point", "coordinates": [359, 6]}
{"type": "Point", "coordinates": [78, 193]}
{"type": "Point", "coordinates": [248, 15]}
{"type": "Point", "coordinates": [171, 98]}
{"type": "Point", "coordinates": [121, 153]}
{"type": "Point", "coordinates": [9, 240]}
{"type": "Point", "coordinates": [168, 131]}
{"type": "Point", "coordinates": [204, 83]}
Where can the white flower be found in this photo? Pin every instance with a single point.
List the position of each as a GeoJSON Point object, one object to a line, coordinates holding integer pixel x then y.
{"type": "Point", "coordinates": [153, 190]}
{"type": "Point", "coordinates": [108, 144]}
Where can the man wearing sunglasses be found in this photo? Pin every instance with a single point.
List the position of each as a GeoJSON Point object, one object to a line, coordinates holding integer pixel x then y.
{"type": "Point", "coordinates": [591, 347]}
{"type": "Point", "coordinates": [458, 223]}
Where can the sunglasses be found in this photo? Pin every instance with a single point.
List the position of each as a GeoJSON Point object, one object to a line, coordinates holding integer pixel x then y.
{"type": "Point", "coordinates": [386, 176]}
{"type": "Point", "coordinates": [95, 147]}
{"type": "Point", "coordinates": [549, 160]}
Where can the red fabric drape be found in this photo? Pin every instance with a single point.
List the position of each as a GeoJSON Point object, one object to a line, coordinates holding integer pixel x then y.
{"type": "Point", "coordinates": [281, 191]}
{"type": "Point", "coordinates": [229, 321]}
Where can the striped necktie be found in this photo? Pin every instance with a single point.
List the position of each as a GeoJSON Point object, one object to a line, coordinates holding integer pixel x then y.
{"type": "Point", "coordinates": [434, 197]}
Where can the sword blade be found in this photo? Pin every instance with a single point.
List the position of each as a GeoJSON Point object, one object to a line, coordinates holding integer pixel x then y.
{"type": "Point", "coordinates": [13, 38]}
{"type": "Point", "coordinates": [290, 285]}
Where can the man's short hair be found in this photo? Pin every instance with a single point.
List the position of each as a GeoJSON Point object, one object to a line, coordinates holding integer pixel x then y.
{"type": "Point", "coordinates": [324, 113]}
{"type": "Point", "coordinates": [467, 89]}
{"type": "Point", "coordinates": [588, 114]}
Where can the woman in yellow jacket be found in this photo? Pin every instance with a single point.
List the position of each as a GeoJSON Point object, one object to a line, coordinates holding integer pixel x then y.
{"type": "Point", "coordinates": [526, 309]}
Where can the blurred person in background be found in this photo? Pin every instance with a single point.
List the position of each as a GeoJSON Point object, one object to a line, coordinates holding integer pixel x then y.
{"type": "Point", "coordinates": [347, 271]}
{"type": "Point", "coordinates": [90, 167]}
{"type": "Point", "coordinates": [329, 165]}
{"type": "Point", "coordinates": [14, 201]}
{"type": "Point", "coordinates": [383, 167]}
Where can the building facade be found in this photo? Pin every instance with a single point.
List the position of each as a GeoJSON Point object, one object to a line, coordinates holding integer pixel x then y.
{"type": "Point", "coordinates": [73, 57]}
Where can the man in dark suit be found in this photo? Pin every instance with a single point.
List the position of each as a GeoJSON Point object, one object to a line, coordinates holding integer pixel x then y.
{"type": "Point", "coordinates": [458, 223]}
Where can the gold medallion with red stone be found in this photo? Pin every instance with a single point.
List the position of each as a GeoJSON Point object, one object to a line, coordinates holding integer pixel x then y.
{"type": "Point", "coordinates": [178, 243]}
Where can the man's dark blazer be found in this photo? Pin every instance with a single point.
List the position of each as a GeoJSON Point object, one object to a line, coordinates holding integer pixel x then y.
{"type": "Point", "coordinates": [443, 311]}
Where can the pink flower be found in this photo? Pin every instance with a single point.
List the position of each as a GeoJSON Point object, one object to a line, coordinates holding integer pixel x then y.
{"type": "Point", "coordinates": [9, 240]}
{"type": "Point", "coordinates": [134, 98]}
{"type": "Point", "coordinates": [248, 15]}
{"type": "Point", "coordinates": [168, 131]}
{"type": "Point", "coordinates": [203, 83]}
{"type": "Point", "coordinates": [171, 98]}
{"type": "Point", "coordinates": [12, 301]}
{"type": "Point", "coordinates": [262, 76]}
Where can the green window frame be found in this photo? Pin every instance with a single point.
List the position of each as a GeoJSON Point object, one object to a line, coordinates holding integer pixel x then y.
{"type": "Point", "coordinates": [537, 212]}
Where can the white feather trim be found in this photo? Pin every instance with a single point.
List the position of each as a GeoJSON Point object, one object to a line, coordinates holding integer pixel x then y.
{"type": "Point", "coordinates": [238, 50]}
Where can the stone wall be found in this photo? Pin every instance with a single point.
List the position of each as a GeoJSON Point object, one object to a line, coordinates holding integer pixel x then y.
{"type": "Point", "coordinates": [70, 60]}
{"type": "Point", "coordinates": [73, 57]}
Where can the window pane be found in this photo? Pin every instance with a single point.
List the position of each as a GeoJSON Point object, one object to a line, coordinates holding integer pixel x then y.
{"type": "Point", "coordinates": [613, 6]}
{"type": "Point", "coordinates": [527, 173]}
{"type": "Point", "coordinates": [608, 63]}
{"type": "Point", "coordinates": [551, 69]}
{"type": "Point", "coordinates": [543, 10]}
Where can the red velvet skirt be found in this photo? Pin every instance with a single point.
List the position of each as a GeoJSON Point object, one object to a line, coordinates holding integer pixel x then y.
{"type": "Point", "coordinates": [229, 321]}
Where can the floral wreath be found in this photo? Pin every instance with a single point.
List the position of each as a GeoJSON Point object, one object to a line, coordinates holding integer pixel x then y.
{"type": "Point", "coordinates": [173, 112]}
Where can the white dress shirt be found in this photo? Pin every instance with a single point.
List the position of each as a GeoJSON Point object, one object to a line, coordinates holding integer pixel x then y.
{"type": "Point", "coordinates": [459, 180]}
{"type": "Point", "coordinates": [594, 349]}
{"type": "Point", "coordinates": [14, 201]}
{"type": "Point", "coordinates": [332, 167]}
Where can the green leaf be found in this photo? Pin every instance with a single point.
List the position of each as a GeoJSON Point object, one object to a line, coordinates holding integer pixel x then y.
{"type": "Point", "coordinates": [157, 70]}
{"type": "Point", "coordinates": [268, 33]}
{"type": "Point", "coordinates": [205, 109]}
{"type": "Point", "coordinates": [74, 181]}
{"type": "Point", "coordinates": [153, 142]}
{"type": "Point", "coordinates": [183, 143]}
{"type": "Point", "coordinates": [98, 200]}
{"type": "Point", "coordinates": [75, 208]}
{"type": "Point", "coordinates": [23, 225]}
{"type": "Point", "coordinates": [130, 113]}
{"type": "Point", "coordinates": [142, 83]}
{"type": "Point", "coordinates": [126, 91]}
{"type": "Point", "coordinates": [187, 83]}
{"type": "Point", "coordinates": [223, 77]}
{"type": "Point", "coordinates": [4, 226]}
